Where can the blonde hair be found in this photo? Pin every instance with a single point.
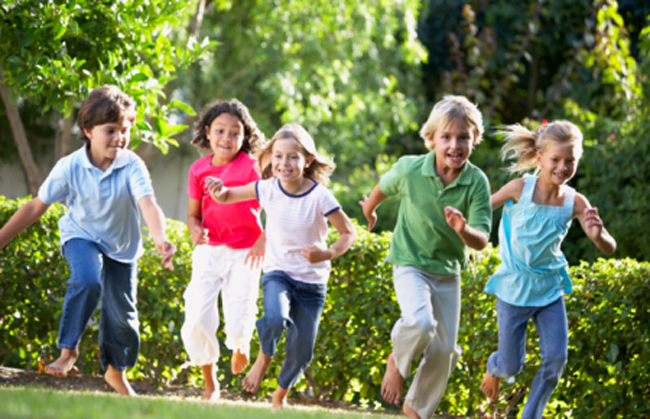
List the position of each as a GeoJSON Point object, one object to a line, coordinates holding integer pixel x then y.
{"type": "Point", "coordinates": [319, 170]}
{"type": "Point", "coordinates": [453, 108]}
{"type": "Point", "coordinates": [523, 144]}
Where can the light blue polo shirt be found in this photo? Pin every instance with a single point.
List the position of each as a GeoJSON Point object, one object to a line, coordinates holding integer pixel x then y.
{"type": "Point", "coordinates": [103, 206]}
{"type": "Point", "coordinates": [422, 238]}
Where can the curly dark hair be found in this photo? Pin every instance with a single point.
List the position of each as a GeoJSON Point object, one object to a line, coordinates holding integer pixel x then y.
{"type": "Point", "coordinates": [253, 137]}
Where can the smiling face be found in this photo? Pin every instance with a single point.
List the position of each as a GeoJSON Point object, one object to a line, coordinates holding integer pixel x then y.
{"type": "Point", "coordinates": [107, 141]}
{"type": "Point", "coordinates": [558, 162]}
{"type": "Point", "coordinates": [453, 145]}
{"type": "Point", "coordinates": [288, 162]}
{"type": "Point", "coordinates": [226, 136]}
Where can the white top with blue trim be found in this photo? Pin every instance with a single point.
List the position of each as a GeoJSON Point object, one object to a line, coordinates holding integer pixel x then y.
{"type": "Point", "coordinates": [292, 222]}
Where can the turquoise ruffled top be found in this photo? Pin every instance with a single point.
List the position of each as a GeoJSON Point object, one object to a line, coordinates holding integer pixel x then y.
{"type": "Point", "coordinates": [533, 270]}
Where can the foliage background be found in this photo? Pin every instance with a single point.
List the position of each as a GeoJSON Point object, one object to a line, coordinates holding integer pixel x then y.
{"type": "Point", "coordinates": [609, 334]}
{"type": "Point", "coordinates": [360, 77]}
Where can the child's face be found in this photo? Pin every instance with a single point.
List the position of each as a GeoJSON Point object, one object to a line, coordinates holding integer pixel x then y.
{"type": "Point", "coordinates": [453, 145]}
{"type": "Point", "coordinates": [226, 136]}
{"type": "Point", "coordinates": [107, 141]}
{"type": "Point", "coordinates": [558, 162]}
{"type": "Point", "coordinates": [288, 160]}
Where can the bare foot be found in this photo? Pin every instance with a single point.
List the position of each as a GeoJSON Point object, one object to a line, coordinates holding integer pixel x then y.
{"type": "Point", "coordinates": [490, 386]}
{"type": "Point", "coordinates": [254, 378]}
{"type": "Point", "coordinates": [391, 386]}
{"type": "Point", "coordinates": [238, 362]}
{"type": "Point", "coordinates": [212, 391]}
{"type": "Point", "coordinates": [63, 364]}
{"type": "Point", "coordinates": [117, 380]}
{"type": "Point", "coordinates": [410, 413]}
{"type": "Point", "coordinates": [279, 397]}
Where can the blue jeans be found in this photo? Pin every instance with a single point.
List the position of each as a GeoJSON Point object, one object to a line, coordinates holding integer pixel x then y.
{"type": "Point", "coordinates": [95, 277]}
{"type": "Point", "coordinates": [551, 324]}
{"type": "Point", "coordinates": [296, 307]}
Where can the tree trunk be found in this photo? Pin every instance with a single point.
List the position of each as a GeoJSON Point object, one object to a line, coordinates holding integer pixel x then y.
{"type": "Point", "coordinates": [20, 137]}
{"type": "Point", "coordinates": [66, 136]}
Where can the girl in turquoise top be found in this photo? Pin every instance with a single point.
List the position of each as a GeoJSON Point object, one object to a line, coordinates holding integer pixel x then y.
{"type": "Point", "coordinates": [532, 278]}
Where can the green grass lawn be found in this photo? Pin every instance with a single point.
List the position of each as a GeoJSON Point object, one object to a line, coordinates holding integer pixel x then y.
{"type": "Point", "coordinates": [20, 403]}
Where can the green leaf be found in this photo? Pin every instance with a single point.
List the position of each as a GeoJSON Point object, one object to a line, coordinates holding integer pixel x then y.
{"type": "Point", "coordinates": [177, 104]}
{"type": "Point", "coordinates": [59, 31]}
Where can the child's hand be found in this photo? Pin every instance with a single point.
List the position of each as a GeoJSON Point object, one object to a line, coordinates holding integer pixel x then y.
{"type": "Point", "coordinates": [455, 219]}
{"type": "Point", "coordinates": [592, 222]}
{"type": "Point", "coordinates": [315, 254]}
{"type": "Point", "coordinates": [167, 250]}
{"type": "Point", "coordinates": [215, 187]}
{"type": "Point", "coordinates": [370, 216]}
{"type": "Point", "coordinates": [199, 235]}
{"type": "Point", "coordinates": [256, 253]}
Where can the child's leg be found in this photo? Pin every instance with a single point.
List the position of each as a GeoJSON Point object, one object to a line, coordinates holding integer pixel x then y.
{"type": "Point", "coordinates": [306, 308]}
{"type": "Point", "coordinates": [551, 324]}
{"type": "Point", "coordinates": [240, 292]}
{"type": "Point", "coordinates": [119, 339]}
{"type": "Point", "coordinates": [277, 303]}
{"type": "Point", "coordinates": [509, 359]}
{"type": "Point", "coordinates": [81, 299]}
{"type": "Point", "coordinates": [117, 379]}
{"type": "Point", "coordinates": [212, 391]}
{"type": "Point", "coordinates": [442, 353]}
{"type": "Point", "coordinates": [413, 331]}
{"type": "Point", "coordinates": [199, 330]}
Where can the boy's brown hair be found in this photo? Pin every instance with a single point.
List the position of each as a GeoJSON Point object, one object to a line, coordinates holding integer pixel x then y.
{"type": "Point", "coordinates": [104, 105]}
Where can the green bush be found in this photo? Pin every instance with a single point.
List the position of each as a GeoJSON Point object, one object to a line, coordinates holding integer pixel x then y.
{"type": "Point", "coordinates": [609, 318]}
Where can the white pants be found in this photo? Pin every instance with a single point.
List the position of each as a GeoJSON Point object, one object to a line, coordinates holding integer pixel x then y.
{"type": "Point", "coordinates": [217, 268]}
{"type": "Point", "coordinates": [430, 306]}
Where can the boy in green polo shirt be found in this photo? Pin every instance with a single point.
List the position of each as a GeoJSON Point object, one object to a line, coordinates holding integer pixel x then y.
{"type": "Point", "coordinates": [445, 210]}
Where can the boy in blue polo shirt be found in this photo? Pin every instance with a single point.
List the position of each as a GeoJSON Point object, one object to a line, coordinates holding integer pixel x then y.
{"type": "Point", "coordinates": [102, 184]}
{"type": "Point", "coordinates": [445, 210]}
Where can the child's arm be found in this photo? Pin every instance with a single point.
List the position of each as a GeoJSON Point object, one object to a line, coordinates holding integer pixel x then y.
{"type": "Point", "coordinates": [510, 192]}
{"type": "Point", "coordinates": [593, 226]}
{"type": "Point", "coordinates": [472, 237]}
{"type": "Point", "coordinates": [23, 218]}
{"type": "Point", "coordinates": [256, 254]}
{"type": "Point", "coordinates": [347, 237]}
{"type": "Point", "coordinates": [155, 220]}
{"type": "Point", "coordinates": [370, 204]}
{"type": "Point", "coordinates": [224, 195]}
{"type": "Point", "coordinates": [195, 223]}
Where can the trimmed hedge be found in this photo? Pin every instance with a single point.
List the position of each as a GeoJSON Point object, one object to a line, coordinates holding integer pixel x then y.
{"type": "Point", "coordinates": [609, 316]}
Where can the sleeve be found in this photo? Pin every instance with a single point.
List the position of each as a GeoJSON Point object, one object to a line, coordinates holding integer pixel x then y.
{"type": "Point", "coordinates": [479, 213]}
{"type": "Point", "coordinates": [328, 203]}
{"type": "Point", "coordinates": [139, 179]}
{"type": "Point", "coordinates": [194, 189]}
{"type": "Point", "coordinates": [392, 182]}
{"type": "Point", "coordinates": [261, 190]}
{"type": "Point", "coordinates": [56, 187]}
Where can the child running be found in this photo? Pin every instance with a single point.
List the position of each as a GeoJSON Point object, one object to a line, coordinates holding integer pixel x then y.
{"type": "Point", "coordinates": [445, 209]}
{"type": "Point", "coordinates": [227, 237]}
{"type": "Point", "coordinates": [532, 278]}
{"type": "Point", "coordinates": [103, 184]}
{"type": "Point", "coordinates": [297, 263]}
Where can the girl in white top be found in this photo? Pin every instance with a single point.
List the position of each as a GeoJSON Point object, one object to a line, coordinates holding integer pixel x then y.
{"type": "Point", "coordinates": [297, 263]}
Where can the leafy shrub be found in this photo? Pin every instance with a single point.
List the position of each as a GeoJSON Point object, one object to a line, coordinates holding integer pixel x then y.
{"type": "Point", "coordinates": [609, 327]}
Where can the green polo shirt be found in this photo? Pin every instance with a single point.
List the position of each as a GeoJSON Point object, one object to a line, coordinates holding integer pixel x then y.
{"type": "Point", "coordinates": [422, 237]}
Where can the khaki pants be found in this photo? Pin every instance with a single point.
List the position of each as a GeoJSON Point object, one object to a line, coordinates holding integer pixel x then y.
{"type": "Point", "coordinates": [430, 306]}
